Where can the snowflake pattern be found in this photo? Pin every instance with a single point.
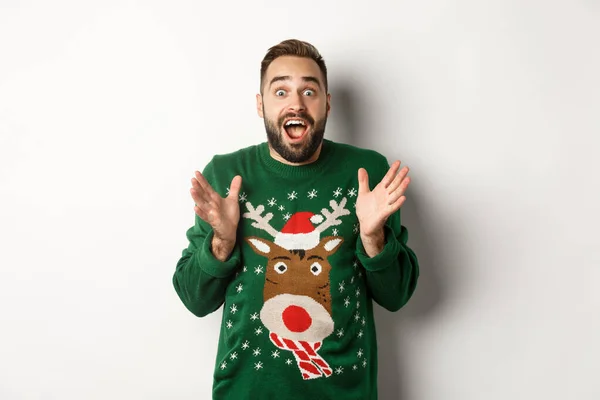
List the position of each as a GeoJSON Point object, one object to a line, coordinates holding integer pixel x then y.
{"type": "Point", "coordinates": [224, 365]}
{"type": "Point", "coordinates": [337, 192]}
{"type": "Point", "coordinates": [271, 202]}
{"type": "Point", "coordinates": [347, 301]}
{"type": "Point", "coordinates": [239, 288]}
{"type": "Point", "coordinates": [258, 365]}
{"type": "Point", "coordinates": [254, 316]}
{"type": "Point", "coordinates": [258, 331]}
{"type": "Point", "coordinates": [312, 194]}
{"type": "Point", "coordinates": [229, 324]}
{"type": "Point", "coordinates": [334, 232]}
{"type": "Point", "coordinates": [360, 353]}
{"type": "Point", "coordinates": [281, 207]}
{"type": "Point", "coordinates": [233, 356]}
{"type": "Point", "coordinates": [292, 196]}
{"type": "Point", "coordinates": [233, 309]}
{"type": "Point", "coordinates": [340, 332]}
{"type": "Point", "coordinates": [258, 270]}
{"type": "Point", "coordinates": [245, 345]}
{"type": "Point", "coordinates": [243, 197]}
{"type": "Point", "coordinates": [342, 286]}
{"type": "Point", "coordinates": [339, 370]}
{"type": "Point", "coordinates": [275, 354]}
{"type": "Point", "coordinates": [256, 352]}
{"type": "Point", "coordinates": [287, 216]}
{"type": "Point", "coordinates": [288, 361]}
{"type": "Point", "coordinates": [352, 192]}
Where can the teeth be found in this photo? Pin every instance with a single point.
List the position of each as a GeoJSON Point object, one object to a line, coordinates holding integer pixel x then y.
{"type": "Point", "coordinates": [294, 122]}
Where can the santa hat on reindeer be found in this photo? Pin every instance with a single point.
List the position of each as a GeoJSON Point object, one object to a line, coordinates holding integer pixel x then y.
{"type": "Point", "coordinates": [299, 233]}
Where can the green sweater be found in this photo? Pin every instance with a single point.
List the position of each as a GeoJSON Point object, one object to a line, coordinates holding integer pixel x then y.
{"type": "Point", "coordinates": [298, 289]}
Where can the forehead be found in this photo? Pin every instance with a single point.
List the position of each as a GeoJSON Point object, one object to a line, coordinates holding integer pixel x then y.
{"type": "Point", "coordinates": [295, 67]}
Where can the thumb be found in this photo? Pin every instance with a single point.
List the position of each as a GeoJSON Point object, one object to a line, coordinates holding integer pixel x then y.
{"type": "Point", "coordinates": [235, 186]}
{"type": "Point", "coordinates": [363, 180]}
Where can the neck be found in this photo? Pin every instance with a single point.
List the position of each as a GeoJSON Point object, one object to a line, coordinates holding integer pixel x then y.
{"type": "Point", "coordinates": [278, 157]}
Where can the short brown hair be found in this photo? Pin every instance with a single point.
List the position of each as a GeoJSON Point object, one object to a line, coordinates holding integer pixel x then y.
{"type": "Point", "coordinates": [293, 47]}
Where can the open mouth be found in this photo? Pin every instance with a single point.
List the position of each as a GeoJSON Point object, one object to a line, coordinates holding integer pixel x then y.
{"type": "Point", "coordinates": [295, 128]}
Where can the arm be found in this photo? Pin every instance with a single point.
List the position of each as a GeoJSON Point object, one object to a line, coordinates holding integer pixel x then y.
{"type": "Point", "coordinates": [207, 265]}
{"type": "Point", "coordinates": [392, 274]}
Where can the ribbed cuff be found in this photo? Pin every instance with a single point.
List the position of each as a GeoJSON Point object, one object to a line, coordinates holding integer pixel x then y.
{"type": "Point", "coordinates": [387, 256]}
{"type": "Point", "coordinates": [213, 266]}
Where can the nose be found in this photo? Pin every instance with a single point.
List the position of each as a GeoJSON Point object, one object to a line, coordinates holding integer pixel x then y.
{"type": "Point", "coordinates": [296, 319]}
{"type": "Point", "coordinates": [297, 103]}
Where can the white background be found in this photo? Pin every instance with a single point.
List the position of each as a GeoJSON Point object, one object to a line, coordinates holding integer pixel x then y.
{"type": "Point", "coordinates": [107, 108]}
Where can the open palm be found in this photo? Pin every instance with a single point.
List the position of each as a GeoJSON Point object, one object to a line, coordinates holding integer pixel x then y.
{"type": "Point", "coordinates": [221, 213]}
{"type": "Point", "coordinates": [373, 207]}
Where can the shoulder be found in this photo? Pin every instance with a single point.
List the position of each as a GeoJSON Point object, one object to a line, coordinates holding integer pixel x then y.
{"type": "Point", "coordinates": [355, 156]}
{"type": "Point", "coordinates": [221, 161]}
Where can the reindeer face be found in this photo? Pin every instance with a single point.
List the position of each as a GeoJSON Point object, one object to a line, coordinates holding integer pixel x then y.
{"type": "Point", "coordinates": [297, 298]}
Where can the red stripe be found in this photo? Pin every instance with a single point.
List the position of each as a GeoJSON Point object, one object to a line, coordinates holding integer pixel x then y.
{"type": "Point", "coordinates": [276, 340]}
{"type": "Point", "coordinates": [302, 355]}
{"type": "Point", "coordinates": [309, 367]}
{"type": "Point", "coordinates": [290, 344]}
{"type": "Point", "coordinates": [308, 349]}
{"type": "Point", "coordinates": [320, 362]}
{"type": "Point", "coordinates": [317, 345]}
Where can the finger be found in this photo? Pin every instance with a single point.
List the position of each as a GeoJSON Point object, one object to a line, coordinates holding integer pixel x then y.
{"type": "Point", "coordinates": [204, 185]}
{"type": "Point", "coordinates": [395, 206]}
{"type": "Point", "coordinates": [363, 180]}
{"type": "Point", "coordinates": [398, 180]}
{"type": "Point", "coordinates": [198, 196]}
{"type": "Point", "coordinates": [396, 194]}
{"type": "Point", "coordinates": [235, 186]}
{"type": "Point", "coordinates": [389, 176]}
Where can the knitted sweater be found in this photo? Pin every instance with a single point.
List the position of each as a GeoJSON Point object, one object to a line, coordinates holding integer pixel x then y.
{"type": "Point", "coordinates": [298, 290]}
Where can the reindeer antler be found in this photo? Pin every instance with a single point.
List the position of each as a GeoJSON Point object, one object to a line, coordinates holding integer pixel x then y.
{"type": "Point", "coordinates": [261, 222]}
{"type": "Point", "coordinates": [331, 218]}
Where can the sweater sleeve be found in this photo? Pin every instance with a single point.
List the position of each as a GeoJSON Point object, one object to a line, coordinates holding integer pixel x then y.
{"type": "Point", "coordinates": [391, 275]}
{"type": "Point", "coordinates": [200, 279]}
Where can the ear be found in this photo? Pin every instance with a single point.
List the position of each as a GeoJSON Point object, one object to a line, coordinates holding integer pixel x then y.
{"type": "Point", "coordinates": [331, 244]}
{"type": "Point", "coordinates": [328, 103]}
{"type": "Point", "coordinates": [260, 246]}
{"type": "Point", "coordinates": [259, 105]}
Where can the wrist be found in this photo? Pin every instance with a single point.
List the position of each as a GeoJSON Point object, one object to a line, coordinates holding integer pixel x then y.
{"type": "Point", "coordinates": [222, 248]}
{"type": "Point", "coordinates": [373, 242]}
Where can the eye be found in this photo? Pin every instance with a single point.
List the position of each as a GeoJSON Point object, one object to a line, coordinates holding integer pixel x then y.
{"type": "Point", "coordinates": [309, 92]}
{"type": "Point", "coordinates": [316, 268]}
{"type": "Point", "coordinates": [280, 92]}
{"type": "Point", "coordinates": [280, 267]}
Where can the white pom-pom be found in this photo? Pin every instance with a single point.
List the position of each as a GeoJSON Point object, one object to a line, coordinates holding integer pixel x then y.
{"type": "Point", "coordinates": [316, 219]}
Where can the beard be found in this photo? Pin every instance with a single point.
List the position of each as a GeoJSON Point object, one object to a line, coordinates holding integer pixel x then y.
{"type": "Point", "coordinates": [295, 152]}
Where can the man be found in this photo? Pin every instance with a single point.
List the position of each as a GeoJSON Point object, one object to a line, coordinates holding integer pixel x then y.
{"type": "Point", "coordinates": [294, 241]}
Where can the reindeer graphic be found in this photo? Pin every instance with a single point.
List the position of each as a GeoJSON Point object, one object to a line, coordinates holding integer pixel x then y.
{"type": "Point", "coordinates": [296, 293]}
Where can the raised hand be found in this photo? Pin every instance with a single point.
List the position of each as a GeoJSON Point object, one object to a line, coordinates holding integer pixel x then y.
{"type": "Point", "coordinates": [221, 213]}
{"type": "Point", "coordinates": [373, 207]}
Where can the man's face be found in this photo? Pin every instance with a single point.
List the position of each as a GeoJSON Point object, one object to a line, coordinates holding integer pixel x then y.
{"type": "Point", "coordinates": [294, 106]}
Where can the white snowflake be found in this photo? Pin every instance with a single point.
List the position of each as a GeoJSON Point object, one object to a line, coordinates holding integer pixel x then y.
{"type": "Point", "coordinates": [334, 232]}
{"type": "Point", "coordinates": [224, 365]}
{"type": "Point", "coordinates": [258, 270]}
{"type": "Point", "coordinates": [272, 202]}
{"type": "Point", "coordinates": [347, 301]}
{"type": "Point", "coordinates": [292, 196]}
{"type": "Point", "coordinates": [256, 352]}
{"type": "Point", "coordinates": [227, 192]}
{"type": "Point", "coordinates": [239, 288]}
{"type": "Point", "coordinates": [229, 324]}
{"type": "Point", "coordinates": [360, 334]}
{"type": "Point", "coordinates": [352, 280]}
{"type": "Point", "coordinates": [245, 268]}
{"type": "Point", "coordinates": [356, 228]}
{"type": "Point", "coordinates": [258, 365]}
{"type": "Point", "coordinates": [357, 317]}
{"type": "Point", "coordinates": [281, 207]}
{"type": "Point", "coordinates": [245, 345]}
{"type": "Point", "coordinates": [233, 309]}
{"type": "Point", "coordinates": [355, 367]}
{"type": "Point", "coordinates": [243, 197]}
{"type": "Point", "coordinates": [254, 316]}
{"type": "Point", "coordinates": [312, 194]}
{"type": "Point", "coordinates": [233, 356]}
{"type": "Point", "coordinates": [337, 192]}
{"type": "Point", "coordinates": [357, 303]}
{"type": "Point", "coordinates": [363, 322]}
{"type": "Point", "coordinates": [360, 274]}
{"type": "Point", "coordinates": [287, 216]}
{"type": "Point", "coordinates": [359, 353]}
{"type": "Point", "coordinates": [355, 264]}
{"type": "Point", "coordinates": [288, 361]}
{"type": "Point", "coordinates": [352, 192]}
{"type": "Point", "coordinates": [364, 363]}
{"type": "Point", "coordinates": [258, 330]}
{"type": "Point", "coordinates": [340, 332]}
{"type": "Point", "coordinates": [342, 286]}
{"type": "Point", "coordinates": [275, 354]}
{"type": "Point", "coordinates": [339, 370]}
{"type": "Point", "coordinates": [357, 292]}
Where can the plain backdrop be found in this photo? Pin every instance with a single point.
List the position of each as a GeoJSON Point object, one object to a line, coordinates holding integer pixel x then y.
{"type": "Point", "coordinates": [108, 107]}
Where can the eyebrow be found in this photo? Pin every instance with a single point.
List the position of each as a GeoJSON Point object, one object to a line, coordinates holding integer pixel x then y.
{"type": "Point", "coordinates": [287, 78]}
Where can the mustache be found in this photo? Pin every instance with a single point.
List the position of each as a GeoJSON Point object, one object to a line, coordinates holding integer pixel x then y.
{"type": "Point", "coordinates": [302, 115]}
